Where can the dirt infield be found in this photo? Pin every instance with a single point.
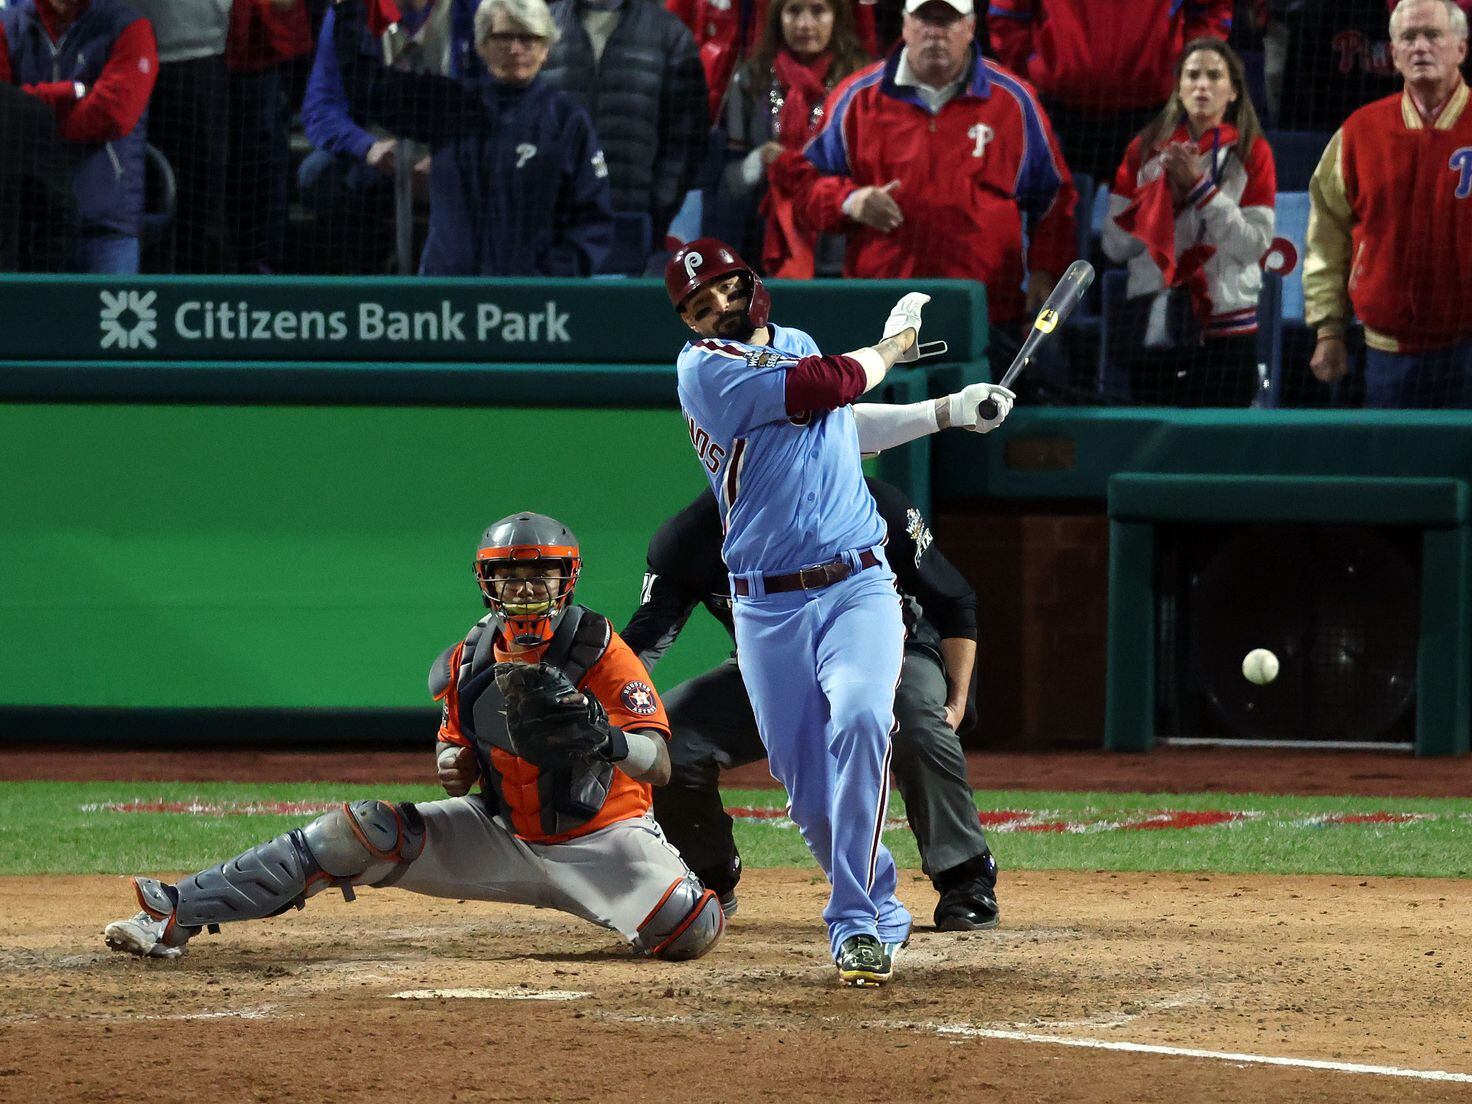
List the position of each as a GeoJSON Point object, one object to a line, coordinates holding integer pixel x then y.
{"type": "Point", "coordinates": [303, 1007]}
{"type": "Point", "coordinates": [1345, 971]}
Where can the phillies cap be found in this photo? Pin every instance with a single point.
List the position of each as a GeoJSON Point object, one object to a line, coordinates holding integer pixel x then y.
{"type": "Point", "coordinates": [963, 7]}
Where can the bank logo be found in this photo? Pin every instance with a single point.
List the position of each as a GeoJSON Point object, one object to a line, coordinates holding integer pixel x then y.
{"type": "Point", "coordinates": [128, 320]}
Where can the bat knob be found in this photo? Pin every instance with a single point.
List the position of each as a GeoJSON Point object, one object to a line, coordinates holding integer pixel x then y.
{"type": "Point", "coordinates": [986, 410]}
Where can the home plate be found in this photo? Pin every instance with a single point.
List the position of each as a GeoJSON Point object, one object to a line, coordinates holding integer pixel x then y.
{"type": "Point", "coordinates": [491, 994]}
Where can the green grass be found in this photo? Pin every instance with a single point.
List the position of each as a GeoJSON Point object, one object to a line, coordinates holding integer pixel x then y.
{"type": "Point", "coordinates": [46, 827]}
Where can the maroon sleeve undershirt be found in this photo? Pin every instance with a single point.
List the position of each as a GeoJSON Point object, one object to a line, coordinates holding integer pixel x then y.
{"type": "Point", "coordinates": [823, 383]}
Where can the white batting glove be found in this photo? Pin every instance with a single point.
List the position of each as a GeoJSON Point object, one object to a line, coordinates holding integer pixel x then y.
{"type": "Point", "coordinates": [965, 403]}
{"type": "Point", "coordinates": [906, 316]}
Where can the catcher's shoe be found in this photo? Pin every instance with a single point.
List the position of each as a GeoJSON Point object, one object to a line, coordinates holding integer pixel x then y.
{"type": "Point", "coordinates": [970, 906]}
{"type": "Point", "coordinates": [142, 936]}
{"type": "Point", "coordinates": [862, 960]}
{"type": "Point", "coordinates": [153, 932]}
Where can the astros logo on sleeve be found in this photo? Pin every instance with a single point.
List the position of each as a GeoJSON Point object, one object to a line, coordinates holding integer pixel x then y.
{"type": "Point", "coordinates": [638, 697]}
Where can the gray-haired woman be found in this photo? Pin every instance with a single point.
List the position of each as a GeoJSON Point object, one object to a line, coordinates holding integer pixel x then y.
{"type": "Point", "coordinates": [518, 184]}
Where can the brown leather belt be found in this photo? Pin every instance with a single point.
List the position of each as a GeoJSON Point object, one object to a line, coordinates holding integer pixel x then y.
{"type": "Point", "coordinates": [808, 578]}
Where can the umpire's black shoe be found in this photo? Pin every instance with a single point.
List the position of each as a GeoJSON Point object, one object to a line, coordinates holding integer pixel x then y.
{"type": "Point", "coordinates": [970, 906]}
{"type": "Point", "coordinates": [862, 960]}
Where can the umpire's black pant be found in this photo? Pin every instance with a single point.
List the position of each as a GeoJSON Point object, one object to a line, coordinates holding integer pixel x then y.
{"type": "Point", "coordinates": [712, 728]}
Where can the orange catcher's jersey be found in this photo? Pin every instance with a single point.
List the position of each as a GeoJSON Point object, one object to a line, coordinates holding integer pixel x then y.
{"type": "Point", "coordinates": [619, 681]}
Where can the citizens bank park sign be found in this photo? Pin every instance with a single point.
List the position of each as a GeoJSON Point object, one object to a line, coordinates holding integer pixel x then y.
{"type": "Point", "coordinates": [129, 320]}
{"type": "Point", "coordinates": [296, 318]}
{"type": "Point", "coordinates": [373, 321]}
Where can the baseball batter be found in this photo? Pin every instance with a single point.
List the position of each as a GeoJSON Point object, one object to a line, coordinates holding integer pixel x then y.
{"type": "Point", "coordinates": [817, 618]}
{"type": "Point", "coordinates": [713, 727]}
{"type": "Point", "coordinates": [552, 713]}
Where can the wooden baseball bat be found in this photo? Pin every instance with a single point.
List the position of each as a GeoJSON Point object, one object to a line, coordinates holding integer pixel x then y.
{"type": "Point", "coordinates": [1066, 294]}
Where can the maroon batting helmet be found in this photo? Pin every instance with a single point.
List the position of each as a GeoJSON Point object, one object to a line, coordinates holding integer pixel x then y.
{"type": "Point", "coordinates": [703, 260]}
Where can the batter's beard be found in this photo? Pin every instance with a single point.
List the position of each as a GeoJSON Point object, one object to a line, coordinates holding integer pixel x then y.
{"type": "Point", "coordinates": [736, 324]}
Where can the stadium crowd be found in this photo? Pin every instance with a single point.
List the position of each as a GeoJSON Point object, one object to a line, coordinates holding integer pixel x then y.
{"type": "Point", "coordinates": [1216, 153]}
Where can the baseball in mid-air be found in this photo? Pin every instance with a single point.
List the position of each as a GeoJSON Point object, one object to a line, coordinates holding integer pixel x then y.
{"type": "Point", "coordinates": [1259, 666]}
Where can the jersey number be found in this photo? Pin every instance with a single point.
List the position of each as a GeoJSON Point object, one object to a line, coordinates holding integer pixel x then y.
{"type": "Point", "coordinates": [710, 453]}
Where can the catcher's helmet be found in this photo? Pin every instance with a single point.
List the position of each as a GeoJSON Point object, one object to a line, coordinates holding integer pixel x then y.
{"type": "Point", "coordinates": [531, 607]}
{"type": "Point", "coordinates": [704, 260]}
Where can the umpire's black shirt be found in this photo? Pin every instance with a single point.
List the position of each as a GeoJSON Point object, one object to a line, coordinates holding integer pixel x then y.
{"type": "Point", "coordinates": [685, 568]}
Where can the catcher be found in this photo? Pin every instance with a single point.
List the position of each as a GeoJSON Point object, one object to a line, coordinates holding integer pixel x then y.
{"type": "Point", "coordinates": [552, 713]}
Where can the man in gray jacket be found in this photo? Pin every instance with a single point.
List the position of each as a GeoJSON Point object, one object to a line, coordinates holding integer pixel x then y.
{"type": "Point", "coordinates": [634, 67]}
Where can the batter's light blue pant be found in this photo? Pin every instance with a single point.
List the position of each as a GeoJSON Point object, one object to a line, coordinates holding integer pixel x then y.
{"type": "Point", "coordinates": [821, 668]}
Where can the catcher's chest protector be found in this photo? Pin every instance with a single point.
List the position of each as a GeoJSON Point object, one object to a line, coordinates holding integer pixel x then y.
{"type": "Point", "coordinates": [565, 799]}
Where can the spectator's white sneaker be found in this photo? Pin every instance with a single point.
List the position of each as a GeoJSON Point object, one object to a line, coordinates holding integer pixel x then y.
{"type": "Point", "coordinates": [142, 936]}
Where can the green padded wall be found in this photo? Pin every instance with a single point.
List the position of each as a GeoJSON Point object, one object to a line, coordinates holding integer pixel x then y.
{"type": "Point", "coordinates": [300, 557]}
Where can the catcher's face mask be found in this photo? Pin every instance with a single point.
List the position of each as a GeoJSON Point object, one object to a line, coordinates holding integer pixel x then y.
{"type": "Point", "coordinates": [529, 594]}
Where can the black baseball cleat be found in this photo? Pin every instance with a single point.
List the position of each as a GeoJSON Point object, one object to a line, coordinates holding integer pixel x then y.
{"type": "Point", "coordinates": [970, 906]}
{"type": "Point", "coordinates": [862, 960]}
{"type": "Point", "coordinates": [729, 904]}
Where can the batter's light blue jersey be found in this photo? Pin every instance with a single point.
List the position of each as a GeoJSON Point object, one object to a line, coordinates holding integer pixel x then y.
{"type": "Point", "coordinates": [791, 490]}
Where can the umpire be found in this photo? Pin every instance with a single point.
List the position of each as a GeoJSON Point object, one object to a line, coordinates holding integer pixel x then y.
{"type": "Point", "coordinates": [713, 727]}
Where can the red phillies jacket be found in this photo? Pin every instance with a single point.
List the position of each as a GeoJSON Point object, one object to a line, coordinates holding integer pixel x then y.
{"type": "Point", "coordinates": [1101, 55]}
{"type": "Point", "coordinates": [1390, 226]}
{"type": "Point", "coordinates": [967, 176]}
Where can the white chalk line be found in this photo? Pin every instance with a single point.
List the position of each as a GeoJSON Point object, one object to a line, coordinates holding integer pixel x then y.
{"type": "Point", "coordinates": [491, 994]}
{"type": "Point", "coordinates": [971, 1032]}
{"type": "Point", "coordinates": [1115, 1019]}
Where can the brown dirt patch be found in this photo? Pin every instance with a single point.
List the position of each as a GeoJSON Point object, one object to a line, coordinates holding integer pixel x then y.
{"type": "Point", "coordinates": [300, 1008]}
{"type": "Point", "coordinates": [1165, 770]}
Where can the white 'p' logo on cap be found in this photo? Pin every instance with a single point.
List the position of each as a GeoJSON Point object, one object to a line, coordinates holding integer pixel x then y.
{"type": "Point", "coordinates": [692, 262]}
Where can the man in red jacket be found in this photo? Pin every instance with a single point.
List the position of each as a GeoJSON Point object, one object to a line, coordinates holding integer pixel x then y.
{"type": "Point", "coordinates": [1390, 224]}
{"type": "Point", "coordinates": [94, 63]}
{"type": "Point", "coordinates": [930, 160]}
{"type": "Point", "coordinates": [1103, 69]}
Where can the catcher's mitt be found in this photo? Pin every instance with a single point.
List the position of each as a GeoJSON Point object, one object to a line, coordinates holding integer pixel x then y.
{"type": "Point", "coordinates": [552, 723]}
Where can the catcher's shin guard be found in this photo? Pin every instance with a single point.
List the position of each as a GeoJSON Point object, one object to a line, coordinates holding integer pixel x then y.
{"type": "Point", "coordinates": [685, 924]}
{"type": "Point", "coordinates": [340, 847]}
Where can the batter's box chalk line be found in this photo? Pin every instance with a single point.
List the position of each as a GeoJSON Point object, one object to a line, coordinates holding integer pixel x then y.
{"type": "Point", "coordinates": [970, 1031]}
{"type": "Point", "coordinates": [491, 994]}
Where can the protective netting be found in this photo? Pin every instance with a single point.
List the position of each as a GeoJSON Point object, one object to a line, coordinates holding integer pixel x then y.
{"type": "Point", "coordinates": [366, 138]}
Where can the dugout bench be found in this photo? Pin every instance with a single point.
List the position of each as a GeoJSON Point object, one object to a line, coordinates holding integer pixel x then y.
{"type": "Point", "coordinates": [1151, 468]}
{"type": "Point", "coordinates": [1139, 503]}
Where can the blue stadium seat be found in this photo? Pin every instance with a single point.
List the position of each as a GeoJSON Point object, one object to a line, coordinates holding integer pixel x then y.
{"type": "Point", "coordinates": [686, 224]}
{"type": "Point", "coordinates": [1083, 183]}
{"type": "Point", "coordinates": [1114, 381]}
{"type": "Point", "coordinates": [160, 204]}
{"type": "Point", "coordinates": [1296, 154]}
{"type": "Point", "coordinates": [1292, 223]}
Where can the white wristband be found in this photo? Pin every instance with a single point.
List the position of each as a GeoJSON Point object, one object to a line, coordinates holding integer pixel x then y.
{"type": "Point", "coordinates": [958, 414]}
{"type": "Point", "coordinates": [873, 364]}
{"type": "Point", "coordinates": [643, 751]}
